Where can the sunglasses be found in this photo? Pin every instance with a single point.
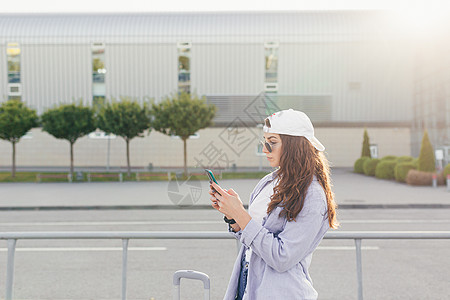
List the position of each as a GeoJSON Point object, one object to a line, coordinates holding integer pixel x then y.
{"type": "Point", "coordinates": [268, 145]}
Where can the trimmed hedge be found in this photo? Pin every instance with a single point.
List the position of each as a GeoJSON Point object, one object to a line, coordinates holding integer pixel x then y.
{"type": "Point", "coordinates": [404, 159]}
{"type": "Point", "coordinates": [370, 165]}
{"type": "Point", "coordinates": [366, 145]}
{"type": "Point", "coordinates": [426, 156]}
{"type": "Point", "coordinates": [402, 169]}
{"type": "Point", "coordinates": [389, 157]}
{"type": "Point", "coordinates": [446, 171]}
{"type": "Point", "coordinates": [358, 166]}
{"type": "Point", "coordinates": [441, 180]}
{"type": "Point", "coordinates": [416, 177]}
{"type": "Point", "coordinates": [385, 169]}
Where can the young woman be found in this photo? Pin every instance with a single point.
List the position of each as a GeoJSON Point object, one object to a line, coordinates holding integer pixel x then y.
{"type": "Point", "coordinates": [289, 212]}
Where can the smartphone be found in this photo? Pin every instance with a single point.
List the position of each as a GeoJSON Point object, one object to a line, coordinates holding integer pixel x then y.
{"type": "Point", "coordinates": [210, 175]}
{"type": "Point", "coordinates": [211, 179]}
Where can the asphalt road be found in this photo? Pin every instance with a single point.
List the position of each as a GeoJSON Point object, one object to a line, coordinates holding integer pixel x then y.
{"type": "Point", "coordinates": [350, 189]}
{"type": "Point", "coordinates": [91, 269]}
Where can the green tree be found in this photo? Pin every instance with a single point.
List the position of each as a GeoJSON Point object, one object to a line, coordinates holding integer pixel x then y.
{"type": "Point", "coordinates": [69, 122]}
{"type": "Point", "coordinates": [366, 145]}
{"type": "Point", "coordinates": [15, 121]}
{"type": "Point", "coordinates": [182, 115]}
{"type": "Point", "coordinates": [426, 157]}
{"type": "Point", "coordinates": [126, 118]}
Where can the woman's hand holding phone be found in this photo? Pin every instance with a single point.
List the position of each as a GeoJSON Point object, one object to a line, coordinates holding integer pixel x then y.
{"type": "Point", "coordinates": [215, 204]}
{"type": "Point", "coordinates": [217, 193]}
{"type": "Point", "coordinates": [228, 200]}
{"type": "Point", "coordinates": [213, 199]}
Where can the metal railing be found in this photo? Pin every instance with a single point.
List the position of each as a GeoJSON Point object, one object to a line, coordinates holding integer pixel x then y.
{"type": "Point", "coordinates": [12, 238]}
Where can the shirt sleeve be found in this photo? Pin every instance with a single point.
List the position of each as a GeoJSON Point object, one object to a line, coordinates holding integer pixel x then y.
{"type": "Point", "coordinates": [236, 235]}
{"type": "Point", "coordinates": [290, 246]}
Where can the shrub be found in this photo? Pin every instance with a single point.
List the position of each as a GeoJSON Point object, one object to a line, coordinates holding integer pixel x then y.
{"type": "Point", "coordinates": [385, 169]}
{"type": "Point", "coordinates": [402, 169]}
{"type": "Point", "coordinates": [415, 162]}
{"type": "Point", "coordinates": [403, 159]}
{"type": "Point", "coordinates": [370, 165]}
{"type": "Point", "coordinates": [416, 177]}
{"type": "Point", "coordinates": [389, 157]}
{"type": "Point", "coordinates": [446, 171]}
{"type": "Point", "coordinates": [366, 145]}
{"type": "Point", "coordinates": [426, 157]}
{"type": "Point", "coordinates": [358, 166]}
{"type": "Point", "coordinates": [441, 179]}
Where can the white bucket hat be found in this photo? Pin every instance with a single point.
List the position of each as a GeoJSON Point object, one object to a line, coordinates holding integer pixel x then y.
{"type": "Point", "coordinates": [293, 122]}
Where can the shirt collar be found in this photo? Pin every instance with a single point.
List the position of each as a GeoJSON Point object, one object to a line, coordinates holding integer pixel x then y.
{"type": "Point", "coordinates": [274, 174]}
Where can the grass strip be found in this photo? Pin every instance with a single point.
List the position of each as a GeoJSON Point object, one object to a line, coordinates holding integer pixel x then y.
{"type": "Point", "coordinates": [32, 176]}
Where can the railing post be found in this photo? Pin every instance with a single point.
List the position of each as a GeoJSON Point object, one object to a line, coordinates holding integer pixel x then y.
{"type": "Point", "coordinates": [124, 268]}
{"type": "Point", "coordinates": [434, 179]}
{"type": "Point", "coordinates": [10, 268]}
{"type": "Point", "coordinates": [359, 268]}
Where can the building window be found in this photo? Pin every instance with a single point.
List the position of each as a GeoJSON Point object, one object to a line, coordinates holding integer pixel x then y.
{"type": "Point", "coordinates": [271, 67]}
{"type": "Point", "coordinates": [98, 74]}
{"type": "Point", "coordinates": [184, 67]}
{"type": "Point", "coordinates": [13, 55]}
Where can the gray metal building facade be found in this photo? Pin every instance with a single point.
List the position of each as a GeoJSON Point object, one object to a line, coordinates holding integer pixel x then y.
{"type": "Point", "coordinates": [343, 68]}
{"type": "Point", "coordinates": [356, 63]}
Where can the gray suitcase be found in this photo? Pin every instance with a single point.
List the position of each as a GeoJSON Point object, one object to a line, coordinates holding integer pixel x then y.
{"type": "Point", "coordinates": [191, 275]}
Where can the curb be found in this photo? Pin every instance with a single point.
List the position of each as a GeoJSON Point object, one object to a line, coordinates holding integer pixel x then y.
{"type": "Point", "coordinates": [202, 207]}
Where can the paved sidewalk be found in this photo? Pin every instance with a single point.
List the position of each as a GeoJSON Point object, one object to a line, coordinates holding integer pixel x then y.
{"type": "Point", "coordinates": [352, 191]}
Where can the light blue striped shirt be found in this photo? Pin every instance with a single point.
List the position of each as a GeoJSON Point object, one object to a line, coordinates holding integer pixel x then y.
{"type": "Point", "coordinates": [282, 251]}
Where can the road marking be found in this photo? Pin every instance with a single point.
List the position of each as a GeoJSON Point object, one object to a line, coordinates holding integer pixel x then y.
{"type": "Point", "coordinates": [63, 249]}
{"type": "Point", "coordinates": [346, 248]}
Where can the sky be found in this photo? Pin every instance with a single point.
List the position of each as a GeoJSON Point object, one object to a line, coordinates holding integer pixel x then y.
{"type": "Point", "coordinates": [85, 6]}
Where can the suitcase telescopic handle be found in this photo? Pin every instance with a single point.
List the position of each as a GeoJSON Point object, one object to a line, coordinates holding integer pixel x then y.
{"type": "Point", "coordinates": [190, 274]}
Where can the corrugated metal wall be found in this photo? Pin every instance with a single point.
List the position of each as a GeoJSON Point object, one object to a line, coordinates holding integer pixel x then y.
{"type": "Point", "coordinates": [381, 74]}
{"type": "Point", "coordinates": [53, 74]}
{"type": "Point", "coordinates": [141, 70]}
{"type": "Point", "coordinates": [364, 73]}
{"type": "Point", "coordinates": [252, 110]}
{"type": "Point", "coordinates": [227, 69]}
{"type": "Point", "coordinates": [368, 81]}
{"type": "Point", "coordinates": [3, 73]}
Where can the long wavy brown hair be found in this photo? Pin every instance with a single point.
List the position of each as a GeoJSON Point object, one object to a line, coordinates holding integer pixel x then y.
{"type": "Point", "coordinates": [299, 162]}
